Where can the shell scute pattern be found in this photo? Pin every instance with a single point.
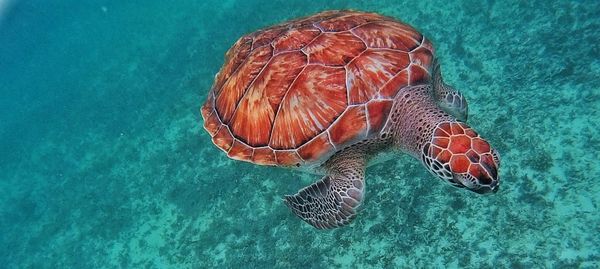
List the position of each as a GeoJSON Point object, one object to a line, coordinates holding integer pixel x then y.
{"type": "Point", "coordinates": [286, 94]}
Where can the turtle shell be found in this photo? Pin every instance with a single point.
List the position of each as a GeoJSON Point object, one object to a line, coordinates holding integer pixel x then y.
{"type": "Point", "coordinates": [295, 93]}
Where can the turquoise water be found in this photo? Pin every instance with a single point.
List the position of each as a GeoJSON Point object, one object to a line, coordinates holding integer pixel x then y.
{"type": "Point", "coordinates": [103, 161]}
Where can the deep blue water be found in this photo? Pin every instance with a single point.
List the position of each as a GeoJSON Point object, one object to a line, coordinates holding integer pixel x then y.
{"type": "Point", "coordinates": [103, 161]}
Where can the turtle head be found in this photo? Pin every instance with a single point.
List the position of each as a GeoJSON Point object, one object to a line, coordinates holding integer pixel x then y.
{"type": "Point", "coordinates": [457, 154]}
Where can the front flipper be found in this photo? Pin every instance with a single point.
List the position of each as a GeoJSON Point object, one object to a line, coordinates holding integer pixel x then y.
{"type": "Point", "coordinates": [332, 201]}
{"type": "Point", "coordinates": [451, 100]}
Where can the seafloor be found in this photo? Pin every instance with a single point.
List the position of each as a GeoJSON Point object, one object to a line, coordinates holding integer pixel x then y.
{"type": "Point", "coordinates": [104, 162]}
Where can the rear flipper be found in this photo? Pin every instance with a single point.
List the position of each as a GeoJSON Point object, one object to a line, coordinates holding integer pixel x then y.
{"type": "Point", "coordinates": [449, 99]}
{"type": "Point", "coordinates": [332, 201]}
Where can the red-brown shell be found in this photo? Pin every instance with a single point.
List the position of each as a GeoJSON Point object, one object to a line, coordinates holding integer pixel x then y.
{"type": "Point", "coordinates": [296, 92]}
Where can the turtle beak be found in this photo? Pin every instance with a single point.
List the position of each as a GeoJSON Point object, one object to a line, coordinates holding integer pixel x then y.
{"type": "Point", "coordinates": [493, 188]}
{"type": "Point", "coordinates": [479, 184]}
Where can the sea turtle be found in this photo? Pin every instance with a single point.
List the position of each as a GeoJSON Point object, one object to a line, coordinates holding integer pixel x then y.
{"type": "Point", "coordinates": [327, 93]}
